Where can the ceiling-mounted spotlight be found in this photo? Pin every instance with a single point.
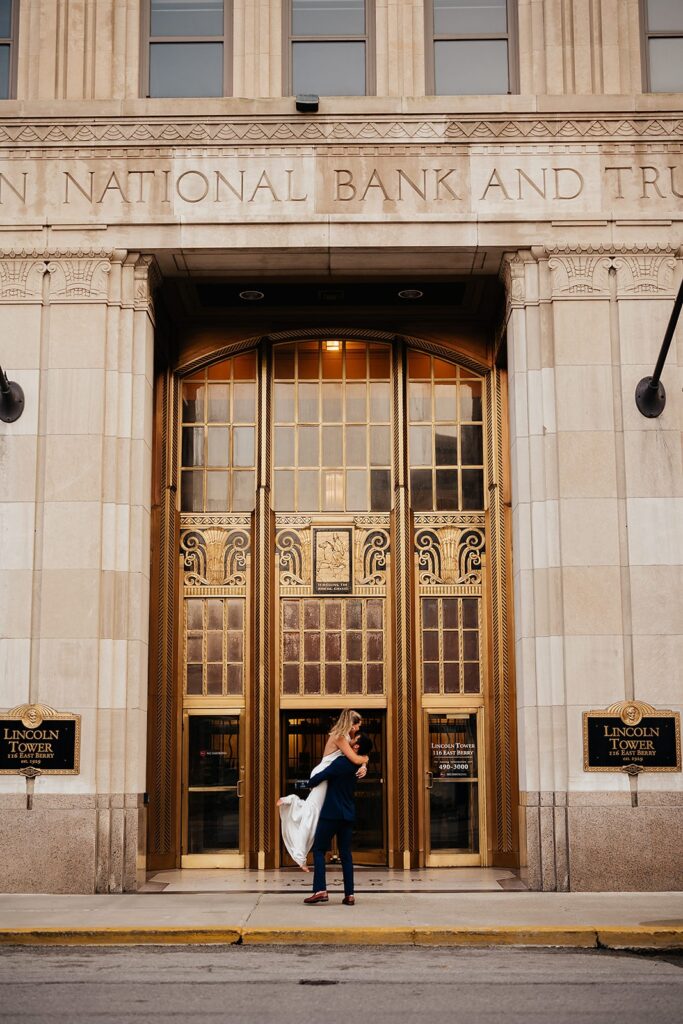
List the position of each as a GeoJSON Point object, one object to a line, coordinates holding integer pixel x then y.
{"type": "Point", "coordinates": [307, 103]}
{"type": "Point", "coordinates": [410, 293]}
{"type": "Point", "coordinates": [252, 295]}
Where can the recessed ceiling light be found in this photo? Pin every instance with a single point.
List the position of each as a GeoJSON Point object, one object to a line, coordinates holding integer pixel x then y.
{"type": "Point", "coordinates": [410, 293]}
{"type": "Point", "coordinates": [333, 346]}
{"type": "Point", "coordinates": [251, 295]}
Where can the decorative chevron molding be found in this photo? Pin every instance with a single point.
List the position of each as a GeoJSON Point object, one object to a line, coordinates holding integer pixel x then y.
{"type": "Point", "coordinates": [275, 131]}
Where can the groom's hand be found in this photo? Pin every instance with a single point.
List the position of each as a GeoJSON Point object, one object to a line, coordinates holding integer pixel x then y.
{"type": "Point", "coordinates": [362, 771]}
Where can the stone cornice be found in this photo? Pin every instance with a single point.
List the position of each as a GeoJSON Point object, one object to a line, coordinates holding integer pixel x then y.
{"type": "Point", "coordinates": [269, 130]}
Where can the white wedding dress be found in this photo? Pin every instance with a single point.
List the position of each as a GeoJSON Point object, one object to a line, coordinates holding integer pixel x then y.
{"type": "Point", "coordinates": [299, 818]}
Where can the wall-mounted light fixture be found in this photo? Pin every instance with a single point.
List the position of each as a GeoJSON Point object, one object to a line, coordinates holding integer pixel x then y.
{"type": "Point", "coordinates": [11, 399]}
{"type": "Point", "coordinates": [307, 103]}
{"type": "Point", "coordinates": [333, 346]}
{"type": "Point", "coordinates": [650, 393]}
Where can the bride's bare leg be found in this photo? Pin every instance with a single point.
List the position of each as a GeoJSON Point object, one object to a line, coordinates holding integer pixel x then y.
{"type": "Point", "coordinates": [305, 867]}
{"type": "Point", "coordinates": [280, 802]}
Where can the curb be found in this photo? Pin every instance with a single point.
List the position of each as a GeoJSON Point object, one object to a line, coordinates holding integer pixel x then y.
{"type": "Point", "coordinates": [578, 937]}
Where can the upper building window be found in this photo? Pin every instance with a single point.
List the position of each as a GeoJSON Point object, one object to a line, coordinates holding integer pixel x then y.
{"type": "Point", "coordinates": [330, 47]}
{"type": "Point", "coordinates": [8, 21]}
{"type": "Point", "coordinates": [663, 22]}
{"type": "Point", "coordinates": [189, 48]}
{"type": "Point", "coordinates": [471, 52]}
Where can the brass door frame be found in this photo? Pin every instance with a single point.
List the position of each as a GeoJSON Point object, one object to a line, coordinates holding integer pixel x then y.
{"type": "Point", "coordinates": [214, 860]}
{"type": "Point", "coordinates": [448, 858]}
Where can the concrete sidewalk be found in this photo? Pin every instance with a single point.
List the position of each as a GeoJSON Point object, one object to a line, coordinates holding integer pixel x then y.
{"type": "Point", "coordinates": [611, 920]}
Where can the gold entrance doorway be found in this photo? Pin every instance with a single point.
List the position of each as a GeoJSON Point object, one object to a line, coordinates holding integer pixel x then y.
{"type": "Point", "coordinates": [332, 524]}
{"type": "Point", "coordinates": [304, 734]}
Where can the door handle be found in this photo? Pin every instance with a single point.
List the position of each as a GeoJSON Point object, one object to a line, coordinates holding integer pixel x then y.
{"type": "Point", "coordinates": [430, 778]}
{"type": "Point", "coordinates": [240, 792]}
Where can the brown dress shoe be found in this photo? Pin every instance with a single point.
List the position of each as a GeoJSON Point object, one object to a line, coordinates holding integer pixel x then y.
{"type": "Point", "coordinates": [317, 897]}
{"type": "Point", "coordinates": [349, 901]}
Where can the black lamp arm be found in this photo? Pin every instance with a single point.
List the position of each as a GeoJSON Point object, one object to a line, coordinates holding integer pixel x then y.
{"type": "Point", "coordinates": [11, 399]}
{"type": "Point", "coordinates": [650, 393]}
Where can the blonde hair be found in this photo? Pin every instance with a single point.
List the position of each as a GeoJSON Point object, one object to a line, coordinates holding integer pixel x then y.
{"type": "Point", "coordinates": [342, 726]}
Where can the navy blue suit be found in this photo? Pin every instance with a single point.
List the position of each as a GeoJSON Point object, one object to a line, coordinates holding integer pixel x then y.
{"type": "Point", "coordinates": [337, 816]}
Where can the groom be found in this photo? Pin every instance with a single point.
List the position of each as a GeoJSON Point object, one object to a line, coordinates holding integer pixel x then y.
{"type": "Point", "coordinates": [337, 816]}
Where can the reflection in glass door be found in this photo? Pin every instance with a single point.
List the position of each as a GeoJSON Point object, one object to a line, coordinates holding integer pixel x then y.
{"type": "Point", "coordinates": [303, 741]}
{"type": "Point", "coordinates": [212, 791]}
{"type": "Point", "coordinates": [453, 789]}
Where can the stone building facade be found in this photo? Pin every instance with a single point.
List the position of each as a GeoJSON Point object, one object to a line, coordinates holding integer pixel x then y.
{"type": "Point", "coordinates": [192, 289]}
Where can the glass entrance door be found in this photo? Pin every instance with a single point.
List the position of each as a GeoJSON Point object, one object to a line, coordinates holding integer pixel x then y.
{"type": "Point", "coordinates": [453, 791]}
{"type": "Point", "coordinates": [212, 790]}
{"type": "Point", "coordinates": [304, 735]}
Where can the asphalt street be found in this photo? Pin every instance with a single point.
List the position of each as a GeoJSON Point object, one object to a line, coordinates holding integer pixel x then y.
{"type": "Point", "coordinates": [337, 985]}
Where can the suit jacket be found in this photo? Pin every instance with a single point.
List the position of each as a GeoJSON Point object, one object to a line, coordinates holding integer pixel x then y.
{"type": "Point", "coordinates": [341, 781]}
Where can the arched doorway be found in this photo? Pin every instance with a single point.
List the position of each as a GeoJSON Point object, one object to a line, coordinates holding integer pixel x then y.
{"type": "Point", "coordinates": [334, 537]}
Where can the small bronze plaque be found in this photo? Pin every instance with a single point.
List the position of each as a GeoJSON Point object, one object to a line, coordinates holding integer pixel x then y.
{"type": "Point", "coordinates": [37, 740]}
{"type": "Point", "coordinates": [332, 562]}
{"type": "Point", "coordinates": [631, 737]}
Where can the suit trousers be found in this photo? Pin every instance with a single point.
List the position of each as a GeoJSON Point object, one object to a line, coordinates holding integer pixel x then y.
{"type": "Point", "coordinates": [343, 830]}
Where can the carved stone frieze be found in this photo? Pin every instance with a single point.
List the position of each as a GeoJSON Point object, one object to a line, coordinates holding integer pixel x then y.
{"type": "Point", "coordinates": [576, 274]}
{"type": "Point", "coordinates": [372, 553]}
{"type": "Point", "coordinates": [147, 279]}
{"type": "Point", "coordinates": [645, 274]}
{"type": "Point", "coordinates": [272, 130]}
{"type": "Point", "coordinates": [76, 274]}
{"type": "Point", "coordinates": [79, 276]}
{"type": "Point", "coordinates": [293, 557]}
{"type": "Point", "coordinates": [21, 277]}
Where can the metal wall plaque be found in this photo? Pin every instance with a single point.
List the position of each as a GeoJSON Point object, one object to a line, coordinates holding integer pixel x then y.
{"type": "Point", "coordinates": [332, 560]}
{"type": "Point", "coordinates": [631, 737]}
{"type": "Point", "coordinates": [37, 740]}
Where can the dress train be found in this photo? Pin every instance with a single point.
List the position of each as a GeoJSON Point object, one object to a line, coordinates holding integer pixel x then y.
{"type": "Point", "coordinates": [299, 818]}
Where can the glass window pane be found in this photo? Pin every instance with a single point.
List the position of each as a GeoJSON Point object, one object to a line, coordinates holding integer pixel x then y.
{"type": "Point", "coordinates": [419, 402]}
{"type": "Point", "coordinates": [218, 403]}
{"type": "Point", "coordinates": [194, 679]}
{"type": "Point", "coordinates": [4, 72]}
{"type": "Point", "coordinates": [666, 65]}
{"type": "Point", "coordinates": [308, 360]}
{"type": "Point", "coordinates": [244, 366]}
{"type": "Point", "coordinates": [356, 446]}
{"type": "Point", "coordinates": [243, 403]}
{"type": "Point", "coordinates": [187, 18]}
{"type": "Point", "coordinates": [472, 489]}
{"type": "Point", "coordinates": [333, 490]}
{"type": "Point", "coordinates": [332, 403]}
{"type": "Point", "coordinates": [356, 360]}
{"type": "Point", "coordinates": [328, 69]}
{"type": "Point", "coordinates": [332, 446]}
{"type": "Point", "coordinates": [308, 403]}
{"type": "Point", "coordinates": [218, 448]}
{"type": "Point", "coordinates": [185, 69]}
{"type": "Point", "coordinates": [380, 490]}
{"type": "Point", "coordinates": [328, 17]}
{"type": "Point", "coordinates": [193, 446]}
{"type": "Point", "coordinates": [380, 402]}
{"type": "Point", "coordinates": [446, 489]}
{"type": "Point", "coordinates": [5, 18]}
{"type": "Point", "coordinates": [467, 17]}
{"type": "Point", "coordinates": [380, 361]}
{"type": "Point", "coordinates": [284, 403]}
{"type": "Point", "coordinates": [217, 492]}
{"type": "Point", "coordinates": [308, 446]}
{"type": "Point", "coordinates": [471, 446]}
{"type": "Point", "coordinates": [243, 441]}
{"type": "Point", "coordinates": [421, 490]}
{"type": "Point", "coordinates": [235, 613]}
{"type": "Point", "coordinates": [430, 612]}
{"type": "Point", "coordinates": [470, 400]}
{"type": "Point", "coordinates": [444, 370]}
{"type": "Point", "coordinates": [308, 491]}
{"type": "Point", "coordinates": [194, 613]}
{"type": "Point", "coordinates": [243, 492]}
{"type": "Point", "coordinates": [419, 366]}
{"type": "Point", "coordinates": [331, 362]}
{"type": "Point", "coordinates": [356, 490]}
{"type": "Point", "coordinates": [471, 67]}
{"type": "Point", "coordinates": [470, 612]}
{"type": "Point", "coordinates": [420, 446]}
{"type": "Point", "coordinates": [284, 362]}
{"type": "Point", "coordinates": [445, 402]}
{"type": "Point", "coordinates": [193, 403]}
{"type": "Point", "coordinates": [430, 678]}
{"type": "Point", "coordinates": [284, 447]}
{"type": "Point", "coordinates": [192, 492]}
{"type": "Point", "coordinates": [355, 403]}
{"type": "Point", "coordinates": [379, 446]}
{"type": "Point", "coordinates": [662, 15]}
{"type": "Point", "coordinates": [283, 497]}
{"type": "Point", "coordinates": [446, 445]}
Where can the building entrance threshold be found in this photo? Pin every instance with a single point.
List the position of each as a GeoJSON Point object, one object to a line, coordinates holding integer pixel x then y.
{"type": "Point", "coordinates": [368, 879]}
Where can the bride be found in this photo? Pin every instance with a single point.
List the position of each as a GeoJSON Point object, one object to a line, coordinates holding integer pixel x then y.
{"type": "Point", "coordinates": [299, 818]}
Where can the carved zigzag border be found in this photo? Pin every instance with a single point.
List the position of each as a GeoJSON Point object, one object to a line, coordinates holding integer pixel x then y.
{"type": "Point", "coordinates": [269, 130]}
